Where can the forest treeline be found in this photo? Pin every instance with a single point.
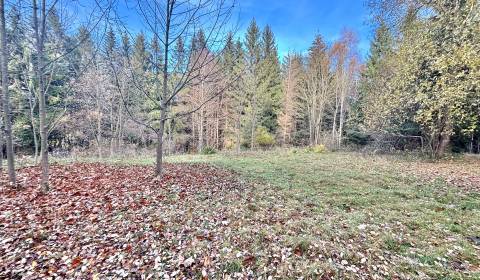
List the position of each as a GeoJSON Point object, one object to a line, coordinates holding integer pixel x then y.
{"type": "Point", "coordinates": [97, 92]}
{"type": "Point", "coordinates": [112, 92]}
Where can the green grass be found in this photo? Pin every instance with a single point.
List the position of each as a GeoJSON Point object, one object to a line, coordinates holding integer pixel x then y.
{"type": "Point", "coordinates": [366, 210]}
{"type": "Point", "coordinates": [352, 195]}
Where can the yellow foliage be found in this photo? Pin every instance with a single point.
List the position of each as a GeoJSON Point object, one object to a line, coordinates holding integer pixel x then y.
{"type": "Point", "coordinates": [318, 149]}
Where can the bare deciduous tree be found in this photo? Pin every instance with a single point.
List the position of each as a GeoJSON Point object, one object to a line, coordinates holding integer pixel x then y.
{"type": "Point", "coordinates": [180, 68]}
{"type": "Point", "coordinates": [41, 10]}
{"type": "Point", "coordinates": [316, 87]}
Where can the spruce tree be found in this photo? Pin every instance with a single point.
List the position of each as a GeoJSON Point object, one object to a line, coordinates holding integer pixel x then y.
{"type": "Point", "coordinates": [252, 57]}
{"type": "Point", "coordinates": [271, 82]}
{"type": "Point", "coordinates": [126, 46]}
{"type": "Point", "coordinates": [140, 55]}
{"type": "Point", "coordinates": [110, 43]}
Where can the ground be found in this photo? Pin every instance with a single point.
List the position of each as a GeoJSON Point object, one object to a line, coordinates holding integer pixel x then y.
{"type": "Point", "coordinates": [284, 214]}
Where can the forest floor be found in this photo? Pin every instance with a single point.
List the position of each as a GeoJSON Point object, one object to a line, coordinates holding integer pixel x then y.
{"type": "Point", "coordinates": [287, 214]}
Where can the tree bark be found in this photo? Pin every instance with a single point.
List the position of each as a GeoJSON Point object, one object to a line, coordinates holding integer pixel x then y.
{"type": "Point", "coordinates": [442, 146]}
{"type": "Point", "coordinates": [200, 131]}
{"type": "Point", "coordinates": [334, 125]}
{"type": "Point", "coordinates": [34, 127]}
{"type": "Point", "coordinates": [164, 94]}
{"type": "Point", "coordinates": [342, 116]}
{"type": "Point", "coordinates": [99, 122]}
{"type": "Point", "coordinates": [238, 132]}
{"type": "Point", "coordinates": [39, 45]}
{"type": "Point", "coordinates": [159, 166]}
{"type": "Point", "coordinates": [6, 97]}
{"type": "Point", "coordinates": [170, 137]}
{"type": "Point", "coordinates": [1, 145]}
{"type": "Point", "coordinates": [254, 122]}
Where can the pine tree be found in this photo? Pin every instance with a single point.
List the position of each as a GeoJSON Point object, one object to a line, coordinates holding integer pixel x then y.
{"type": "Point", "coordinates": [140, 54]}
{"type": "Point", "coordinates": [156, 55]}
{"type": "Point", "coordinates": [110, 43]}
{"type": "Point", "coordinates": [126, 47]}
{"type": "Point", "coordinates": [271, 82]}
{"type": "Point", "coordinates": [380, 48]}
{"type": "Point", "coordinates": [233, 63]}
{"type": "Point", "coordinates": [199, 41]}
{"type": "Point", "coordinates": [252, 57]}
{"type": "Point", "coordinates": [86, 48]}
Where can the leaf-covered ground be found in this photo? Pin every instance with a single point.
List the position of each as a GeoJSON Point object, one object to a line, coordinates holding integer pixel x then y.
{"type": "Point", "coordinates": [109, 221]}
{"type": "Point", "coordinates": [282, 215]}
{"type": "Point", "coordinates": [463, 173]}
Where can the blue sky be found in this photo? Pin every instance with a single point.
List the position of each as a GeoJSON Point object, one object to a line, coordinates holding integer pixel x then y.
{"type": "Point", "coordinates": [296, 22]}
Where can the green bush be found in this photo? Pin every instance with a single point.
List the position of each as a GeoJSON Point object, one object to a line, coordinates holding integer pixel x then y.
{"type": "Point", "coordinates": [208, 151]}
{"type": "Point", "coordinates": [264, 138]}
{"type": "Point", "coordinates": [357, 137]}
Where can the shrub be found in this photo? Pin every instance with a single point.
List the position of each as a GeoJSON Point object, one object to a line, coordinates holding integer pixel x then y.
{"type": "Point", "coordinates": [358, 138]}
{"type": "Point", "coordinates": [264, 138]}
{"type": "Point", "coordinates": [318, 149]}
{"type": "Point", "coordinates": [229, 144]}
{"type": "Point", "coordinates": [208, 151]}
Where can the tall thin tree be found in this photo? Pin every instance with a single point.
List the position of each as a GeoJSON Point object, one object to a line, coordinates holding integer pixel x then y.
{"type": "Point", "coordinates": [39, 27]}
{"type": "Point", "coordinates": [6, 97]}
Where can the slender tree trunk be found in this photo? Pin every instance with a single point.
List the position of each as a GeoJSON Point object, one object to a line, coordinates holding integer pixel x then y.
{"type": "Point", "coordinates": [217, 129]}
{"type": "Point", "coordinates": [121, 121]}
{"type": "Point", "coordinates": [160, 134]}
{"type": "Point", "coordinates": [1, 144]}
{"type": "Point", "coordinates": [43, 140]}
{"type": "Point", "coordinates": [6, 98]}
{"type": "Point", "coordinates": [112, 128]}
{"type": "Point", "coordinates": [341, 120]}
{"type": "Point", "coordinates": [164, 94]}
{"type": "Point", "coordinates": [200, 132]}
{"type": "Point", "coordinates": [311, 125]}
{"type": "Point", "coordinates": [470, 150]}
{"type": "Point", "coordinates": [34, 127]}
{"type": "Point", "coordinates": [194, 125]}
{"type": "Point", "coordinates": [39, 28]}
{"type": "Point", "coordinates": [99, 125]}
{"type": "Point", "coordinates": [238, 132]}
{"type": "Point", "coordinates": [334, 126]}
{"type": "Point", "coordinates": [120, 130]}
{"type": "Point", "coordinates": [170, 137]}
{"type": "Point", "coordinates": [254, 122]}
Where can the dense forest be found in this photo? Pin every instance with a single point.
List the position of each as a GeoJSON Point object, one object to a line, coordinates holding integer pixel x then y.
{"type": "Point", "coordinates": [99, 88]}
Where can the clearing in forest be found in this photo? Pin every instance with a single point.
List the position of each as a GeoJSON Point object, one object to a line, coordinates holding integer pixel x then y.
{"type": "Point", "coordinates": [285, 214]}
